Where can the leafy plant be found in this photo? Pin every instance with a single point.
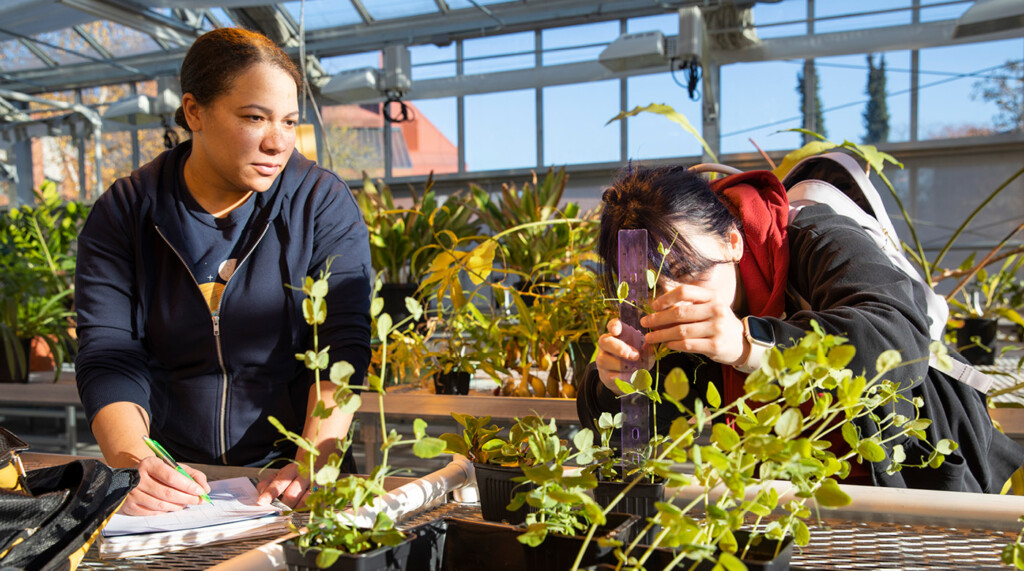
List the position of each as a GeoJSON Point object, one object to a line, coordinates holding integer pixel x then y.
{"type": "Point", "coordinates": [560, 500]}
{"type": "Point", "coordinates": [991, 294]}
{"type": "Point", "coordinates": [479, 442]}
{"type": "Point", "coordinates": [37, 266]}
{"type": "Point", "coordinates": [400, 237]}
{"type": "Point", "coordinates": [530, 245]}
{"type": "Point", "coordinates": [332, 502]}
{"type": "Point", "coordinates": [796, 399]}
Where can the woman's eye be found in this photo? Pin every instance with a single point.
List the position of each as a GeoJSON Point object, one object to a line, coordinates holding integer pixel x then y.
{"type": "Point", "coordinates": [291, 123]}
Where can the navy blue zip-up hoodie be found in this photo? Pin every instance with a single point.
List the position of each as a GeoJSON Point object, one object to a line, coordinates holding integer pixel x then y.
{"type": "Point", "coordinates": [209, 382]}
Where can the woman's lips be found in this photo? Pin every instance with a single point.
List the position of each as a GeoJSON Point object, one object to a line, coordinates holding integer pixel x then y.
{"type": "Point", "coordinates": [266, 169]}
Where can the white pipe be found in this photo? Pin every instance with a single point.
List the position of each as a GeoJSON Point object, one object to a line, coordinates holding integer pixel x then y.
{"type": "Point", "coordinates": [401, 502]}
{"type": "Point", "coordinates": [897, 505]}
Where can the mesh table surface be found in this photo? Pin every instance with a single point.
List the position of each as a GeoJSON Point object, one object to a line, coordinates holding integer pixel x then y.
{"type": "Point", "coordinates": [834, 545]}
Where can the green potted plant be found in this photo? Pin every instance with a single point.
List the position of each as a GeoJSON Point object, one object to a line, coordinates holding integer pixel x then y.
{"type": "Point", "coordinates": [332, 539]}
{"type": "Point", "coordinates": [783, 439]}
{"type": "Point", "coordinates": [400, 237]}
{"type": "Point", "coordinates": [457, 330]}
{"type": "Point", "coordinates": [37, 264]}
{"type": "Point", "coordinates": [982, 300]}
{"type": "Point", "coordinates": [532, 247]}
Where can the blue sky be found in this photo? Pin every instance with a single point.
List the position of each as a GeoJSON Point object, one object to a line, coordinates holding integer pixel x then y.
{"type": "Point", "coordinates": [758, 99]}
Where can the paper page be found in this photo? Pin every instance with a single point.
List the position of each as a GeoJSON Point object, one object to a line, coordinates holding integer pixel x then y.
{"type": "Point", "coordinates": [233, 499]}
{"type": "Point", "coordinates": [147, 544]}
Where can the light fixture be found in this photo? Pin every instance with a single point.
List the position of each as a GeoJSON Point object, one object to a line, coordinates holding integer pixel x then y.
{"type": "Point", "coordinates": [144, 110]}
{"type": "Point", "coordinates": [990, 16]}
{"type": "Point", "coordinates": [634, 51]}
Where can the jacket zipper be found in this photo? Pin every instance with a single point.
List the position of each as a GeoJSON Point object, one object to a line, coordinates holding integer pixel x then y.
{"type": "Point", "coordinates": [216, 335]}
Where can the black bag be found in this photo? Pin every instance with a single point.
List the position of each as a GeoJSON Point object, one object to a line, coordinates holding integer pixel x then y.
{"type": "Point", "coordinates": [49, 517]}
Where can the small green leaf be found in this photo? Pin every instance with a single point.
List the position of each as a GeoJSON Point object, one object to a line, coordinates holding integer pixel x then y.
{"type": "Point", "coordinates": [341, 372]}
{"type": "Point", "coordinates": [414, 308]}
{"type": "Point", "coordinates": [677, 384]}
{"type": "Point", "coordinates": [428, 447]}
{"type": "Point", "coordinates": [730, 562]}
{"type": "Point", "coordinates": [840, 356]}
{"type": "Point", "coordinates": [383, 326]}
{"type": "Point", "coordinates": [724, 436]}
{"type": "Point", "coordinates": [624, 387]}
{"type": "Point", "coordinates": [622, 292]}
{"type": "Point", "coordinates": [850, 434]}
{"type": "Point", "coordinates": [375, 383]}
{"type": "Point", "coordinates": [888, 361]}
{"type": "Point", "coordinates": [871, 450]}
{"type": "Point", "coordinates": [801, 535]}
{"type": "Point", "coordinates": [652, 279]}
{"type": "Point", "coordinates": [419, 428]}
{"type": "Point", "coordinates": [319, 288]}
{"type": "Point", "coordinates": [790, 424]}
{"type": "Point", "coordinates": [376, 306]}
{"type": "Point", "coordinates": [898, 455]}
{"type": "Point", "coordinates": [829, 495]}
{"type": "Point", "coordinates": [642, 380]}
{"type": "Point", "coordinates": [946, 446]}
{"type": "Point", "coordinates": [714, 399]}
{"type": "Point", "coordinates": [327, 475]}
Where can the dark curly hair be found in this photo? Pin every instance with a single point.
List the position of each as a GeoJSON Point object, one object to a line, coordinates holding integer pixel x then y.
{"type": "Point", "coordinates": [662, 200]}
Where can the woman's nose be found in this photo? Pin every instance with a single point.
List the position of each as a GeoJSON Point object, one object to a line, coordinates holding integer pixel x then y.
{"type": "Point", "coordinates": [275, 139]}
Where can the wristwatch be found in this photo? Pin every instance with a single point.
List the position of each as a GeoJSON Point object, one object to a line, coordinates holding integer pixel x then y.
{"type": "Point", "coordinates": [761, 337]}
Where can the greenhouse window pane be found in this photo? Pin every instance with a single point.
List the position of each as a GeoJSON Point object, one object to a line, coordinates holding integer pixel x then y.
{"type": "Point", "coordinates": [862, 22]}
{"type": "Point", "coordinates": [574, 123]}
{"type": "Point", "coordinates": [355, 135]}
{"type": "Point", "coordinates": [824, 8]}
{"type": "Point", "coordinates": [498, 53]}
{"type": "Point", "coordinates": [222, 17]}
{"type": "Point", "coordinates": [667, 24]}
{"type": "Point", "coordinates": [121, 40]}
{"type": "Point", "coordinates": [577, 43]}
{"type": "Point", "coordinates": [391, 9]}
{"type": "Point", "coordinates": [952, 105]}
{"type": "Point", "coordinates": [430, 138]}
{"type": "Point", "coordinates": [324, 13]}
{"type": "Point", "coordinates": [460, 4]}
{"type": "Point", "coordinates": [70, 46]}
{"type": "Point", "coordinates": [351, 61]}
{"type": "Point", "coordinates": [937, 13]}
{"type": "Point", "coordinates": [768, 14]}
{"type": "Point", "coordinates": [14, 56]}
{"type": "Point", "coordinates": [105, 95]}
{"type": "Point", "coordinates": [430, 62]}
{"type": "Point", "coordinates": [759, 99]}
{"type": "Point", "coordinates": [652, 136]}
{"type": "Point", "coordinates": [501, 130]}
{"type": "Point", "coordinates": [507, 44]}
{"type": "Point", "coordinates": [842, 87]}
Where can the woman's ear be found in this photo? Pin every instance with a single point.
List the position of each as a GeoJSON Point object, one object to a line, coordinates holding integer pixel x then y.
{"type": "Point", "coordinates": [735, 244]}
{"type": "Point", "coordinates": [190, 106]}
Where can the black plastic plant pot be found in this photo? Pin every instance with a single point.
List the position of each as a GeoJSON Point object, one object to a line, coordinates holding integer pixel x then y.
{"type": "Point", "coordinates": [382, 559]}
{"type": "Point", "coordinates": [984, 330]}
{"type": "Point", "coordinates": [639, 501]}
{"type": "Point", "coordinates": [20, 374]}
{"type": "Point", "coordinates": [761, 556]}
{"type": "Point", "coordinates": [496, 489]}
{"type": "Point", "coordinates": [452, 383]}
{"type": "Point", "coordinates": [394, 300]}
{"type": "Point", "coordinates": [471, 545]}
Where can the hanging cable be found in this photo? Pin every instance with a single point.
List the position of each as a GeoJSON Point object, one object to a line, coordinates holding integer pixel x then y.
{"type": "Point", "coordinates": [692, 70]}
{"type": "Point", "coordinates": [405, 112]}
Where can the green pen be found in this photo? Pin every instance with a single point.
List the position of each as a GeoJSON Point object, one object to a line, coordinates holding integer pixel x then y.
{"type": "Point", "coordinates": [166, 457]}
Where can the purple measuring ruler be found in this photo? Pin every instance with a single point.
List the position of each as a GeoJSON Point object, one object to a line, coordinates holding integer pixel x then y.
{"type": "Point", "coordinates": [636, 430]}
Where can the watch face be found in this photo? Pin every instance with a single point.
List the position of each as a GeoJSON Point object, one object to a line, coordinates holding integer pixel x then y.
{"type": "Point", "coordinates": [761, 330]}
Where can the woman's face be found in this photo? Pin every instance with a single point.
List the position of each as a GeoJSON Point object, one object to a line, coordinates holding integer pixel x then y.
{"type": "Point", "coordinates": [720, 278]}
{"type": "Point", "coordinates": [243, 138]}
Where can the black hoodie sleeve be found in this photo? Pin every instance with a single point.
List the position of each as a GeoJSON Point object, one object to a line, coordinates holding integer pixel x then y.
{"type": "Point", "coordinates": [112, 364]}
{"type": "Point", "coordinates": [340, 236]}
{"type": "Point", "coordinates": [855, 291]}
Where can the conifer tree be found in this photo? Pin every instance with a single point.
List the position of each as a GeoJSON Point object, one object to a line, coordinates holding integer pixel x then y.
{"type": "Point", "coordinates": [876, 115]}
{"type": "Point", "coordinates": [818, 125]}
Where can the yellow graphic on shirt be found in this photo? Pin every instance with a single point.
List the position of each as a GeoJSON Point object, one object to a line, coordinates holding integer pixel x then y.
{"type": "Point", "coordinates": [212, 292]}
{"type": "Point", "coordinates": [214, 288]}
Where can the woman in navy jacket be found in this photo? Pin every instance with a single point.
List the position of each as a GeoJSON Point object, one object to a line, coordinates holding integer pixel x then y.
{"type": "Point", "coordinates": [187, 330]}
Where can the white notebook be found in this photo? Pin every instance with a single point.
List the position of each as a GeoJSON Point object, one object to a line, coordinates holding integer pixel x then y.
{"type": "Point", "coordinates": [232, 515]}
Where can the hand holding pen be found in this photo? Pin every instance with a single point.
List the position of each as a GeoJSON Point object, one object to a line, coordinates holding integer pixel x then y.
{"type": "Point", "coordinates": [162, 454]}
